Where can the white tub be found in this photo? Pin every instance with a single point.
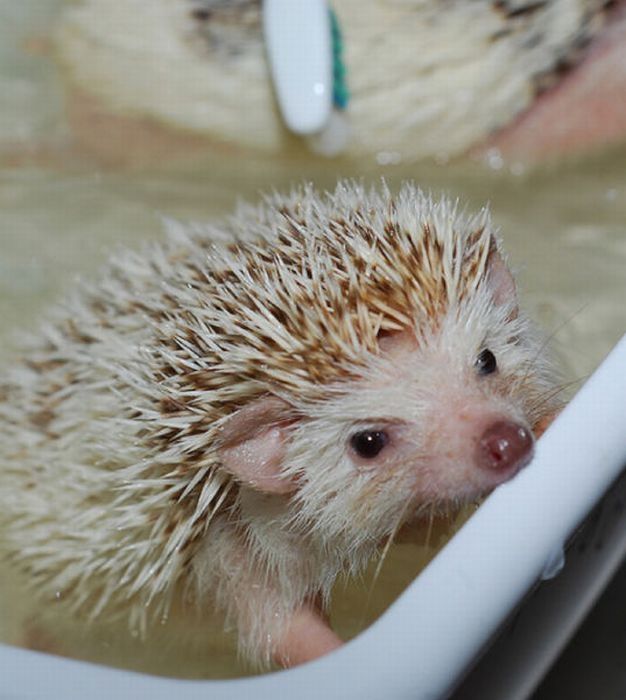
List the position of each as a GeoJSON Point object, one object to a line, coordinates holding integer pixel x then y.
{"type": "Point", "coordinates": [434, 632]}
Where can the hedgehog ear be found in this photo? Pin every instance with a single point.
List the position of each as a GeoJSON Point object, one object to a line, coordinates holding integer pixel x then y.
{"type": "Point", "coordinates": [252, 445]}
{"type": "Point", "coordinates": [393, 343]}
{"type": "Point", "coordinates": [500, 281]}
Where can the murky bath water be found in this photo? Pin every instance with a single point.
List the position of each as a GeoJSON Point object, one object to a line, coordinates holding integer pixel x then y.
{"type": "Point", "coordinates": [62, 211]}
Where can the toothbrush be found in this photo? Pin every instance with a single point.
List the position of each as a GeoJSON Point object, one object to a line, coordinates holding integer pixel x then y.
{"type": "Point", "coordinates": [305, 53]}
{"type": "Point", "coordinates": [299, 47]}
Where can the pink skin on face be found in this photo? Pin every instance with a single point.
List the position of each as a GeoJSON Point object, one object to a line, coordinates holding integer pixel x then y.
{"type": "Point", "coordinates": [586, 110]}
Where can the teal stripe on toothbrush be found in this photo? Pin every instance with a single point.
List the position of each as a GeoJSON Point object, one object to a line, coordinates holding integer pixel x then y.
{"type": "Point", "coordinates": [341, 94]}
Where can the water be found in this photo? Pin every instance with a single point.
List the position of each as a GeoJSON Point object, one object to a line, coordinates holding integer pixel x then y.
{"type": "Point", "coordinates": [64, 204]}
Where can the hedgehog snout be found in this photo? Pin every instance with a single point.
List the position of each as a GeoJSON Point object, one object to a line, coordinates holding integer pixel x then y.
{"type": "Point", "coordinates": [504, 447]}
{"type": "Point", "coordinates": [477, 442]}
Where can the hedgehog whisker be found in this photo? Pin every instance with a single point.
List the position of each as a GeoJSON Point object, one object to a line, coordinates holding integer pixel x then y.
{"type": "Point", "coordinates": [547, 396]}
{"type": "Point", "coordinates": [385, 552]}
{"type": "Point", "coordinates": [429, 530]}
{"type": "Point", "coordinates": [550, 337]}
{"type": "Point", "coordinates": [556, 390]}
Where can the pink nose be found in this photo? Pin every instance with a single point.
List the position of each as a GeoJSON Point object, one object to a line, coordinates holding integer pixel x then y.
{"type": "Point", "coordinates": [504, 446]}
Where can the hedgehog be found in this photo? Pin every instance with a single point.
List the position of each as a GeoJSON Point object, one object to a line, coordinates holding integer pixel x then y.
{"type": "Point", "coordinates": [426, 80]}
{"type": "Point", "coordinates": [245, 411]}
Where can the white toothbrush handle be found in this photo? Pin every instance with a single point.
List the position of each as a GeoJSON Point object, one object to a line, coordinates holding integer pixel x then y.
{"type": "Point", "coordinates": [299, 48]}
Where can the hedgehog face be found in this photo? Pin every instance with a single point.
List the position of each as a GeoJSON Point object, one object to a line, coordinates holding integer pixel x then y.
{"type": "Point", "coordinates": [420, 447]}
{"type": "Point", "coordinates": [442, 415]}
{"type": "Point", "coordinates": [439, 415]}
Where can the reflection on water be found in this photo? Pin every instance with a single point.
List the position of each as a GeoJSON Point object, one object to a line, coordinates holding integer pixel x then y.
{"type": "Point", "coordinates": [564, 230]}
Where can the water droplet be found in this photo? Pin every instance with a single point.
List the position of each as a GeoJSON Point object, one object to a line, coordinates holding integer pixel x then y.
{"type": "Point", "coordinates": [494, 159]}
{"type": "Point", "coordinates": [388, 158]}
{"type": "Point", "coordinates": [554, 564]}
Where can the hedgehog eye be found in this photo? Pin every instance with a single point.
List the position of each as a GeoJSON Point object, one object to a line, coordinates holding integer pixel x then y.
{"type": "Point", "coordinates": [369, 443]}
{"type": "Point", "coordinates": [486, 362]}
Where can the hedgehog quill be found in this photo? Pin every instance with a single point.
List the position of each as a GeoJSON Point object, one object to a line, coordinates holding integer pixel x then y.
{"type": "Point", "coordinates": [247, 418]}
